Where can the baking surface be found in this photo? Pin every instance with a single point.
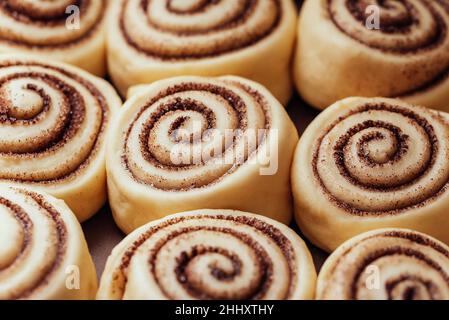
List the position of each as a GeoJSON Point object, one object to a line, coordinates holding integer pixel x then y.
{"type": "Point", "coordinates": [102, 234]}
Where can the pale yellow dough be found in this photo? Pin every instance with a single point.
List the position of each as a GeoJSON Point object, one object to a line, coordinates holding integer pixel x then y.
{"type": "Point", "coordinates": [386, 264]}
{"type": "Point", "coordinates": [337, 56]}
{"type": "Point", "coordinates": [53, 134]}
{"type": "Point", "coordinates": [218, 39]}
{"type": "Point", "coordinates": [23, 29]}
{"type": "Point", "coordinates": [43, 253]}
{"type": "Point", "coordinates": [146, 181]}
{"type": "Point", "coordinates": [259, 258]}
{"type": "Point", "coordinates": [367, 163]}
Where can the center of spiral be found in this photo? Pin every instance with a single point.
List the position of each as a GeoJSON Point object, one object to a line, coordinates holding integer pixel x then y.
{"type": "Point", "coordinates": [21, 101]}
{"type": "Point", "coordinates": [222, 264]}
{"type": "Point", "coordinates": [378, 146]}
{"type": "Point", "coordinates": [411, 289]}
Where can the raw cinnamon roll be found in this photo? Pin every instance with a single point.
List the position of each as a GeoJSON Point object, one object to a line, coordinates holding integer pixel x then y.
{"type": "Point", "coordinates": [210, 254]}
{"type": "Point", "coordinates": [371, 163]}
{"type": "Point", "coordinates": [71, 31]}
{"type": "Point", "coordinates": [374, 48]}
{"type": "Point", "coordinates": [53, 121]}
{"type": "Point", "coordinates": [43, 253]}
{"type": "Point", "coordinates": [150, 40]}
{"type": "Point", "coordinates": [387, 264]}
{"type": "Point", "coordinates": [189, 143]}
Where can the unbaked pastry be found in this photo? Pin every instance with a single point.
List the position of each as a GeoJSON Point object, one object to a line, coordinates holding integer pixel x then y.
{"type": "Point", "coordinates": [190, 143]}
{"type": "Point", "coordinates": [387, 264]}
{"type": "Point", "coordinates": [50, 29]}
{"type": "Point", "coordinates": [43, 253]}
{"type": "Point", "coordinates": [53, 122]}
{"type": "Point", "coordinates": [210, 254]}
{"type": "Point", "coordinates": [153, 40]}
{"type": "Point", "coordinates": [367, 163]}
{"type": "Point", "coordinates": [338, 56]}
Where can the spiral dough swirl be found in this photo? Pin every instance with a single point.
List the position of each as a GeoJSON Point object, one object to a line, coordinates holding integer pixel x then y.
{"type": "Point", "coordinates": [60, 111]}
{"type": "Point", "coordinates": [375, 49]}
{"type": "Point", "coordinates": [386, 158]}
{"type": "Point", "coordinates": [53, 120]}
{"type": "Point", "coordinates": [198, 106]}
{"type": "Point", "coordinates": [406, 27]}
{"type": "Point", "coordinates": [210, 255]}
{"type": "Point", "coordinates": [42, 24]}
{"type": "Point", "coordinates": [175, 29]}
{"type": "Point", "coordinates": [369, 163]}
{"type": "Point", "coordinates": [393, 264]}
{"type": "Point", "coordinates": [38, 235]}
